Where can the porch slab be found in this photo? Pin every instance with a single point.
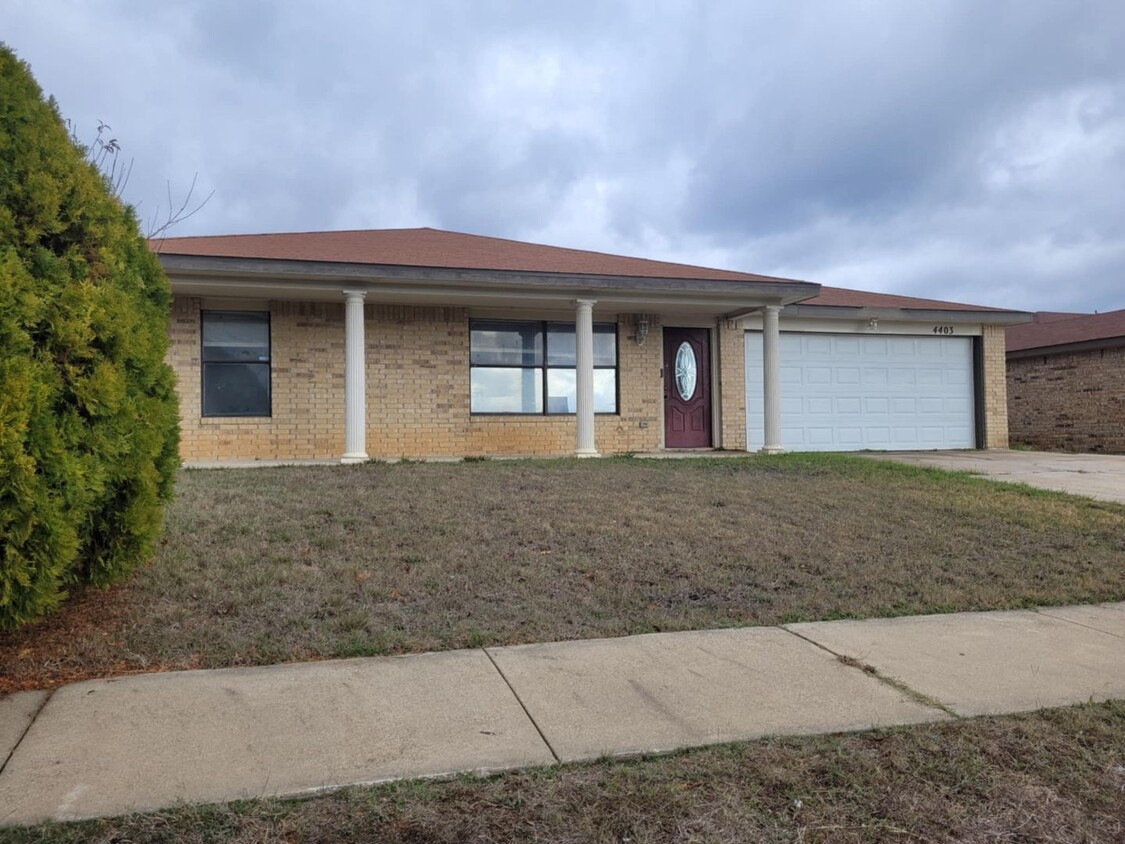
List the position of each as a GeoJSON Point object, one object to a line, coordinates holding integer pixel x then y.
{"type": "Point", "coordinates": [664, 691]}
{"type": "Point", "coordinates": [986, 663]}
{"type": "Point", "coordinates": [103, 747]}
{"type": "Point", "coordinates": [16, 713]}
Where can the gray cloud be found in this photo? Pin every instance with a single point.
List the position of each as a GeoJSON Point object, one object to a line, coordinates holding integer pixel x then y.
{"type": "Point", "coordinates": [971, 151]}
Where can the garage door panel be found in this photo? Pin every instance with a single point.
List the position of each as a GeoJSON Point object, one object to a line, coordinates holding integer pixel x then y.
{"type": "Point", "coordinates": [955, 376]}
{"type": "Point", "coordinates": [820, 436]}
{"type": "Point", "coordinates": [842, 392]}
{"type": "Point", "coordinates": [793, 375]}
{"type": "Point", "coordinates": [960, 407]}
{"type": "Point", "coordinates": [876, 376]}
{"type": "Point", "coordinates": [876, 404]}
{"type": "Point", "coordinates": [878, 437]}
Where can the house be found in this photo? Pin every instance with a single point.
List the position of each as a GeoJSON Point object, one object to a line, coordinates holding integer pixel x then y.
{"type": "Point", "coordinates": [1066, 381]}
{"type": "Point", "coordinates": [424, 343]}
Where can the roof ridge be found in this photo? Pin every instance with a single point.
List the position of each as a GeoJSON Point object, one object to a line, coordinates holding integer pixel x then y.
{"type": "Point", "coordinates": [290, 233]}
{"type": "Point", "coordinates": [573, 250]}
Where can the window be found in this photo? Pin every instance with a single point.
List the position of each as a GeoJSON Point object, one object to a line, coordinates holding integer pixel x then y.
{"type": "Point", "coordinates": [529, 367]}
{"type": "Point", "coordinates": [236, 363]}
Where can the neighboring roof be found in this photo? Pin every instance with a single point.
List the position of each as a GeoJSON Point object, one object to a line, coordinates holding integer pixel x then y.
{"type": "Point", "coordinates": [427, 247]}
{"type": "Point", "coordinates": [841, 297]}
{"type": "Point", "coordinates": [1052, 329]}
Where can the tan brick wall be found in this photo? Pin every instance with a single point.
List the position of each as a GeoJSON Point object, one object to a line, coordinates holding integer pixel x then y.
{"type": "Point", "coordinates": [732, 385]}
{"type": "Point", "coordinates": [995, 387]}
{"type": "Point", "coordinates": [307, 387]}
{"type": "Point", "coordinates": [1069, 402]}
{"type": "Point", "coordinates": [417, 391]}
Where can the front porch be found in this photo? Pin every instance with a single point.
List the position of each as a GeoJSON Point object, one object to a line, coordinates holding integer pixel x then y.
{"type": "Point", "coordinates": [361, 378]}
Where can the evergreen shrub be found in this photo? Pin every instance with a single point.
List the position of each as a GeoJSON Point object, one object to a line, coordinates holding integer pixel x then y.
{"type": "Point", "coordinates": [88, 413]}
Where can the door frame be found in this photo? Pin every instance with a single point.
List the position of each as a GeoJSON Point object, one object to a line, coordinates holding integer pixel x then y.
{"type": "Point", "coordinates": [714, 382]}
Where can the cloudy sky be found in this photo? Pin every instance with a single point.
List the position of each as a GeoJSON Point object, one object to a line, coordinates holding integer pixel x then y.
{"type": "Point", "coordinates": [972, 151]}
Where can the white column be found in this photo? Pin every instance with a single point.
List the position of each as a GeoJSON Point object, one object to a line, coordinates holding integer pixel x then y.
{"type": "Point", "coordinates": [355, 379]}
{"type": "Point", "coordinates": [771, 382]}
{"type": "Point", "coordinates": [584, 377]}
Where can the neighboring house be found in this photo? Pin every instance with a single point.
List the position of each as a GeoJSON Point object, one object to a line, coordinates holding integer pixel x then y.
{"type": "Point", "coordinates": [426, 343]}
{"type": "Point", "coordinates": [1066, 382]}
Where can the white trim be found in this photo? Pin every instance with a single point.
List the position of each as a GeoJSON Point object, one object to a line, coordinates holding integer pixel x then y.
{"type": "Point", "coordinates": [804, 325]}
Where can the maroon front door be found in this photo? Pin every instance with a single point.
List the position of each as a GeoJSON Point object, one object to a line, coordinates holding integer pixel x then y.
{"type": "Point", "coordinates": [687, 388]}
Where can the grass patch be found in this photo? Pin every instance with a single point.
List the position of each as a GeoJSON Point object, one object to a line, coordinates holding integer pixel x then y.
{"type": "Point", "coordinates": [1056, 775]}
{"type": "Point", "coordinates": [269, 565]}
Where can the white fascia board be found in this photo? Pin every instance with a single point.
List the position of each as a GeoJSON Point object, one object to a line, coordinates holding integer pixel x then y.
{"type": "Point", "coordinates": [864, 326]}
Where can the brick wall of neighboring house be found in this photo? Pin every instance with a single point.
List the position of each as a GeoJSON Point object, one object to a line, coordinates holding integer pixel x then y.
{"type": "Point", "coordinates": [1073, 401]}
{"type": "Point", "coordinates": [417, 390]}
{"type": "Point", "coordinates": [995, 387]}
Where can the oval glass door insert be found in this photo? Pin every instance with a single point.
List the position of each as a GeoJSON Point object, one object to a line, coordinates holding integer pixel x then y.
{"type": "Point", "coordinates": [685, 371]}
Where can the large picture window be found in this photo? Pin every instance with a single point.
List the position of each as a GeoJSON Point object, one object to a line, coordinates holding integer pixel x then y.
{"type": "Point", "coordinates": [528, 367]}
{"type": "Point", "coordinates": [236, 363]}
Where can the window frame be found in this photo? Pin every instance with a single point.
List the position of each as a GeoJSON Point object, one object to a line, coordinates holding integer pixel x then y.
{"type": "Point", "coordinates": [204, 363]}
{"type": "Point", "coordinates": [545, 368]}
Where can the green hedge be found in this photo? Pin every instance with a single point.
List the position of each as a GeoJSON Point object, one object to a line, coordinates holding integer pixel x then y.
{"type": "Point", "coordinates": [88, 414]}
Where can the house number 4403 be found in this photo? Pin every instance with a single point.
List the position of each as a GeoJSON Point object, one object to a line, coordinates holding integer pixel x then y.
{"type": "Point", "coordinates": [943, 329]}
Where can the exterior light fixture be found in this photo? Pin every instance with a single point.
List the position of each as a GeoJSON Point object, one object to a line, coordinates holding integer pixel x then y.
{"type": "Point", "coordinates": [872, 324]}
{"type": "Point", "coordinates": [642, 328]}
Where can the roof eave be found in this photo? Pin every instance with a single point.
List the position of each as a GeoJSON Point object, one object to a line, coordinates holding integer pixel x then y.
{"type": "Point", "coordinates": [1067, 348]}
{"type": "Point", "coordinates": [783, 291]}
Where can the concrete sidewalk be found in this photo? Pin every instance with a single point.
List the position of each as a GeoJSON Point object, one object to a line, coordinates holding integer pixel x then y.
{"type": "Point", "coordinates": [1099, 476]}
{"type": "Point", "coordinates": [107, 747]}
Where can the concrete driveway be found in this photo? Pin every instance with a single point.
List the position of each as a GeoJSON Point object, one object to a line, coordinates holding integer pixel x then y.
{"type": "Point", "coordinates": [1094, 475]}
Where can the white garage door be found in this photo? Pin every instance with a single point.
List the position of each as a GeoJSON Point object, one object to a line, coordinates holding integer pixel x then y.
{"type": "Point", "coordinates": [843, 392]}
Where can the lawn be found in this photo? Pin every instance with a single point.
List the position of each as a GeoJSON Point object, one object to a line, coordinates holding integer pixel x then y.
{"type": "Point", "coordinates": [1055, 775]}
{"type": "Point", "coordinates": [269, 565]}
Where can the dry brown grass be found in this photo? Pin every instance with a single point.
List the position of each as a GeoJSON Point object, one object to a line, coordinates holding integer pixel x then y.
{"type": "Point", "coordinates": [270, 565]}
{"type": "Point", "coordinates": [1056, 776]}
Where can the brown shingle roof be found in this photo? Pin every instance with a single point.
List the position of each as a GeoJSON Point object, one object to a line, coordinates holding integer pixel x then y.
{"type": "Point", "coordinates": [1050, 329]}
{"type": "Point", "coordinates": [435, 248]}
{"type": "Point", "coordinates": [840, 297]}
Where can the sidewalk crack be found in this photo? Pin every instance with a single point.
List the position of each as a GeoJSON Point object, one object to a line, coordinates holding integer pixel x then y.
{"type": "Point", "coordinates": [523, 706]}
{"type": "Point", "coordinates": [872, 671]}
{"type": "Point", "coordinates": [23, 735]}
{"type": "Point", "coordinates": [1047, 612]}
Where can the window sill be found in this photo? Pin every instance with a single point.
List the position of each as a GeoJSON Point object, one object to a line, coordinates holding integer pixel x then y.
{"type": "Point", "coordinates": [219, 420]}
{"type": "Point", "coordinates": [555, 416]}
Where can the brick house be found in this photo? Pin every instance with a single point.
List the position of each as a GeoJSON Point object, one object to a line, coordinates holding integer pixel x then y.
{"type": "Point", "coordinates": [1066, 382]}
{"type": "Point", "coordinates": [424, 343]}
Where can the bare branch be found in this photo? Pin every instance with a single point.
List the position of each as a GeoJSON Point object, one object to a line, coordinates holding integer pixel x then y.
{"type": "Point", "coordinates": [105, 156]}
{"type": "Point", "coordinates": [176, 214]}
